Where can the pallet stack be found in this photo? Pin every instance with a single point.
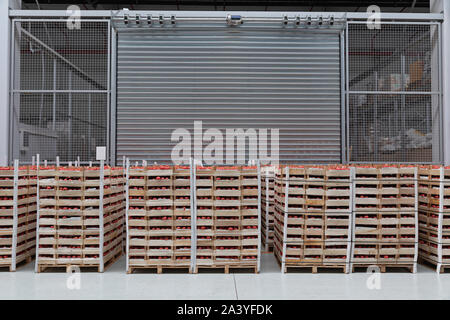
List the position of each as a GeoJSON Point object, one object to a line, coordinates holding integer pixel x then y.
{"type": "Point", "coordinates": [81, 215]}
{"type": "Point", "coordinates": [313, 217]}
{"type": "Point", "coordinates": [267, 207]}
{"type": "Point", "coordinates": [385, 231]}
{"type": "Point", "coordinates": [205, 217]}
{"type": "Point", "coordinates": [113, 212]}
{"type": "Point", "coordinates": [434, 216]}
{"type": "Point", "coordinates": [250, 217]}
{"type": "Point", "coordinates": [182, 216]}
{"type": "Point", "coordinates": [227, 211]}
{"type": "Point", "coordinates": [17, 215]}
{"type": "Point", "coordinates": [159, 217]}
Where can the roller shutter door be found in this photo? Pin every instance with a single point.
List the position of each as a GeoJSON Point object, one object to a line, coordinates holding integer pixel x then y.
{"type": "Point", "coordinates": [229, 78]}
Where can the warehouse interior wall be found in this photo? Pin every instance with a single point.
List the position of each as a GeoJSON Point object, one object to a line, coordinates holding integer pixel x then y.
{"type": "Point", "coordinates": [33, 75]}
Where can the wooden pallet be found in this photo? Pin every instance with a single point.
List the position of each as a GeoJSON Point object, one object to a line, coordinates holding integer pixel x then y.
{"type": "Point", "coordinates": [83, 268]}
{"type": "Point", "coordinates": [226, 269]}
{"type": "Point", "coordinates": [313, 268]}
{"type": "Point", "coordinates": [67, 268]}
{"type": "Point", "coordinates": [316, 269]}
{"type": "Point", "coordinates": [444, 268]}
{"type": "Point", "coordinates": [383, 268]}
{"type": "Point", "coordinates": [159, 269]}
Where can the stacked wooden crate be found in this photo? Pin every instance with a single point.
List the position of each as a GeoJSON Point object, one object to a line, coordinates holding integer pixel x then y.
{"type": "Point", "coordinates": [113, 211]}
{"type": "Point", "coordinates": [182, 216]}
{"type": "Point", "coordinates": [81, 215]}
{"type": "Point", "coordinates": [159, 217]}
{"type": "Point", "coordinates": [205, 221]}
{"type": "Point", "coordinates": [267, 207]}
{"type": "Point", "coordinates": [227, 224]}
{"type": "Point", "coordinates": [385, 231]}
{"type": "Point", "coordinates": [17, 215]}
{"type": "Point", "coordinates": [434, 216]}
{"type": "Point", "coordinates": [313, 217]}
{"type": "Point", "coordinates": [31, 212]}
{"type": "Point", "coordinates": [137, 221]}
{"type": "Point", "coordinates": [250, 217]}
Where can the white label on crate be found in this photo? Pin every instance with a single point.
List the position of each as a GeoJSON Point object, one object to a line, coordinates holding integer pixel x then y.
{"type": "Point", "coordinates": [101, 153]}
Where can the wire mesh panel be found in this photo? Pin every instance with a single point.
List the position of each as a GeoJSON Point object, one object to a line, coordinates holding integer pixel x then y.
{"type": "Point", "coordinates": [392, 128]}
{"type": "Point", "coordinates": [60, 89]}
{"type": "Point", "coordinates": [394, 93]}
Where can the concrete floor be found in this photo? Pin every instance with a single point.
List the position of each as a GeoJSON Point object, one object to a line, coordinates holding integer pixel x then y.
{"type": "Point", "coordinates": [269, 284]}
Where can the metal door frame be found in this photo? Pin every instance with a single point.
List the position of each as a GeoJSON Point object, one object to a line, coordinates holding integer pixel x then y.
{"type": "Point", "coordinates": [273, 17]}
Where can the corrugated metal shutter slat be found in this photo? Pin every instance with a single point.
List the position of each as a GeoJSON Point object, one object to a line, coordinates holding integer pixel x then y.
{"type": "Point", "coordinates": [244, 78]}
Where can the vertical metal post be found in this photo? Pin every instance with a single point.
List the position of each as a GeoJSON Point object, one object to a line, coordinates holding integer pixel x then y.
{"type": "Point", "coordinates": [8, 81]}
{"type": "Point", "coordinates": [375, 117]}
{"type": "Point", "coordinates": [416, 217]}
{"type": "Point", "coordinates": [14, 98]}
{"type": "Point", "coordinates": [344, 119]}
{"type": "Point", "coordinates": [15, 216]}
{"type": "Point", "coordinates": [259, 214]}
{"type": "Point", "coordinates": [101, 216]}
{"type": "Point", "coordinates": [54, 96]}
{"type": "Point", "coordinates": [112, 94]}
{"type": "Point", "coordinates": [57, 161]}
{"type": "Point", "coordinates": [442, 157]}
{"type": "Point", "coordinates": [89, 147]}
{"type": "Point", "coordinates": [347, 95]}
{"type": "Point", "coordinates": [36, 265]}
{"type": "Point", "coordinates": [108, 97]}
{"type": "Point", "coordinates": [70, 116]}
{"type": "Point", "coordinates": [285, 222]}
{"type": "Point", "coordinates": [267, 211]}
{"type": "Point", "coordinates": [127, 208]}
{"type": "Point", "coordinates": [353, 216]}
{"type": "Point", "coordinates": [123, 248]}
{"type": "Point", "coordinates": [351, 226]}
{"type": "Point", "coordinates": [440, 217]}
{"type": "Point", "coordinates": [193, 215]}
